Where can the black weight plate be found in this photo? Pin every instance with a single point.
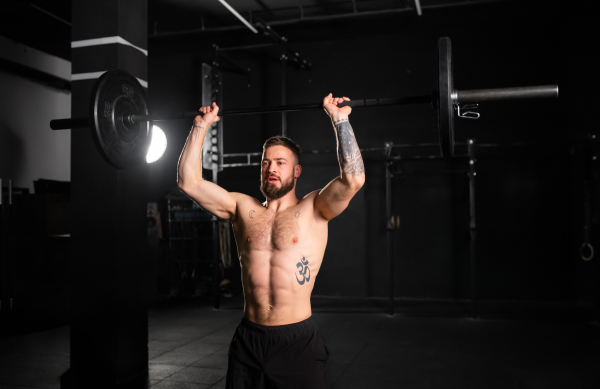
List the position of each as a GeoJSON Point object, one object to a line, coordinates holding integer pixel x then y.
{"type": "Point", "coordinates": [445, 102]}
{"type": "Point", "coordinates": [115, 95]}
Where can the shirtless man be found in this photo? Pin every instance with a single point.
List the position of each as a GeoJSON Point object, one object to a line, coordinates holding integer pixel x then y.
{"type": "Point", "coordinates": [281, 244]}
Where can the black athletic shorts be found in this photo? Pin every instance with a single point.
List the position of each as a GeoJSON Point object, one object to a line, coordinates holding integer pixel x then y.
{"type": "Point", "coordinates": [269, 357]}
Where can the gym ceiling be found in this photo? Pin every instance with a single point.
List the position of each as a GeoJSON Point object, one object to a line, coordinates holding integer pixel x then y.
{"type": "Point", "coordinates": [45, 24]}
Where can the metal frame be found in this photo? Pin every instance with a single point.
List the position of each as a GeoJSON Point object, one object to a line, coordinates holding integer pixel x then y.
{"type": "Point", "coordinates": [392, 225]}
{"type": "Point", "coordinates": [590, 222]}
{"type": "Point", "coordinates": [323, 18]}
{"type": "Point", "coordinates": [472, 225]}
{"type": "Point", "coordinates": [248, 156]}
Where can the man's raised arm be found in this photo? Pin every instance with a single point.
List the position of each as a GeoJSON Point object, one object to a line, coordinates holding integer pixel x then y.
{"type": "Point", "coordinates": [209, 196]}
{"type": "Point", "coordinates": [336, 196]}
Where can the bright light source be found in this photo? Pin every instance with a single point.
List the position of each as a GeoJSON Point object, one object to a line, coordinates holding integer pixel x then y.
{"type": "Point", "coordinates": [158, 145]}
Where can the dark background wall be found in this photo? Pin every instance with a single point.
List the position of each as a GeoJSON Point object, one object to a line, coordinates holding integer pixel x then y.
{"type": "Point", "coordinates": [529, 207]}
{"type": "Point", "coordinates": [33, 247]}
{"type": "Point", "coordinates": [28, 151]}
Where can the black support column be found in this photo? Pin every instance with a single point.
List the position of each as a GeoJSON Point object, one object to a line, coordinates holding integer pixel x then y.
{"type": "Point", "coordinates": [109, 268]}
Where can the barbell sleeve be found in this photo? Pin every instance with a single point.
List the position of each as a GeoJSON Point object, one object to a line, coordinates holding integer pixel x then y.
{"type": "Point", "coordinates": [526, 92]}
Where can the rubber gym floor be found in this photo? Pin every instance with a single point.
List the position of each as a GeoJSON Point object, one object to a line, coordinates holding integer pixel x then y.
{"type": "Point", "coordinates": [427, 345]}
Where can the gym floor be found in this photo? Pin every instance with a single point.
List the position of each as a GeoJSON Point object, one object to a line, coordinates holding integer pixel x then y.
{"type": "Point", "coordinates": [188, 344]}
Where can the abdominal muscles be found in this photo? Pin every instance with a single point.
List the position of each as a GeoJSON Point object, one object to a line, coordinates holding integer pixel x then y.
{"type": "Point", "coordinates": [275, 288]}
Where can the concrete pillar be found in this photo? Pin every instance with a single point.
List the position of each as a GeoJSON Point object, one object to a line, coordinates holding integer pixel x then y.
{"type": "Point", "coordinates": [109, 266]}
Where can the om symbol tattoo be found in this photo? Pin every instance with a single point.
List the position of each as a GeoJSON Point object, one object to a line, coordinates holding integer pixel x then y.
{"type": "Point", "coordinates": [303, 266]}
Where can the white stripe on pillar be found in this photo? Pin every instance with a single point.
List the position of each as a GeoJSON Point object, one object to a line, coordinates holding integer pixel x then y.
{"type": "Point", "coordinates": [105, 41]}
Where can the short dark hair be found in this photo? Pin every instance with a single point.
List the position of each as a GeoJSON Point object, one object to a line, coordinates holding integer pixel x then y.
{"type": "Point", "coordinates": [285, 142]}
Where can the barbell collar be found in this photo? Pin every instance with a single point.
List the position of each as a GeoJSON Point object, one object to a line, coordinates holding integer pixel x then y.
{"type": "Point", "coordinates": [516, 93]}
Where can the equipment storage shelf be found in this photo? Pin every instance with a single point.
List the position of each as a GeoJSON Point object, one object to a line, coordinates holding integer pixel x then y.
{"type": "Point", "coordinates": [190, 231]}
{"type": "Point", "coordinates": [192, 246]}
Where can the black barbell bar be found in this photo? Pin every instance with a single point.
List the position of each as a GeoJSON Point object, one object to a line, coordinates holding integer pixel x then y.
{"type": "Point", "coordinates": [63, 124]}
{"type": "Point", "coordinates": [478, 95]}
{"type": "Point", "coordinates": [289, 108]}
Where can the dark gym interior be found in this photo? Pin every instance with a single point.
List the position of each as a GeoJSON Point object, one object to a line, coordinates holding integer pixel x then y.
{"type": "Point", "coordinates": [465, 271]}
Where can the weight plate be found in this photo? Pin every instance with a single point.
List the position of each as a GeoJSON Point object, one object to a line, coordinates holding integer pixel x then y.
{"type": "Point", "coordinates": [445, 101]}
{"type": "Point", "coordinates": [115, 96]}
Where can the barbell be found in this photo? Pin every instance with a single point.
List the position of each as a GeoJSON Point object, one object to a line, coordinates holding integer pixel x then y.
{"type": "Point", "coordinates": [122, 126]}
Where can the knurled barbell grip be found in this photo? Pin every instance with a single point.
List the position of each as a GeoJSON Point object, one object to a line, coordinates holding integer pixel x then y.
{"type": "Point", "coordinates": [289, 108]}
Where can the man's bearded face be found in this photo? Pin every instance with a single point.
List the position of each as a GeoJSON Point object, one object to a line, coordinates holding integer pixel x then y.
{"type": "Point", "coordinates": [277, 175]}
{"type": "Point", "coordinates": [272, 191]}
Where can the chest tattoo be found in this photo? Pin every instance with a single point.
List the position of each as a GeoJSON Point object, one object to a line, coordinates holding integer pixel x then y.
{"type": "Point", "coordinates": [297, 215]}
{"type": "Point", "coordinates": [252, 214]}
{"type": "Point", "coordinates": [304, 269]}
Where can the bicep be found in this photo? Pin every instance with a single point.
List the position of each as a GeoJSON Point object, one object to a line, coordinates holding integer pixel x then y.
{"type": "Point", "coordinates": [334, 198]}
{"type": "Point", "coordinates": [213, 199]}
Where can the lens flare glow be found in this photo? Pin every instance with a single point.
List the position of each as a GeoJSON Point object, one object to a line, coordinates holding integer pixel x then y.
{"type": "Point", "coordinates": [158, 145]}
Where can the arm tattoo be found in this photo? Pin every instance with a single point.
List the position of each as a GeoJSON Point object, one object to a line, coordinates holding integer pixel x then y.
{"type": "Point", "coordinates": [349, 156]}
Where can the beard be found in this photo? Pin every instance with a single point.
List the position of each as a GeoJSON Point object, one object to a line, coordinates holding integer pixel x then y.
{"type": "Point", "coordinates": [271, 192]}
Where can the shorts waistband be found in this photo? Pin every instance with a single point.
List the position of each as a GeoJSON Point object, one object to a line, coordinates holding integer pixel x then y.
{"type": "Point", "coordinates": [304, 325]}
